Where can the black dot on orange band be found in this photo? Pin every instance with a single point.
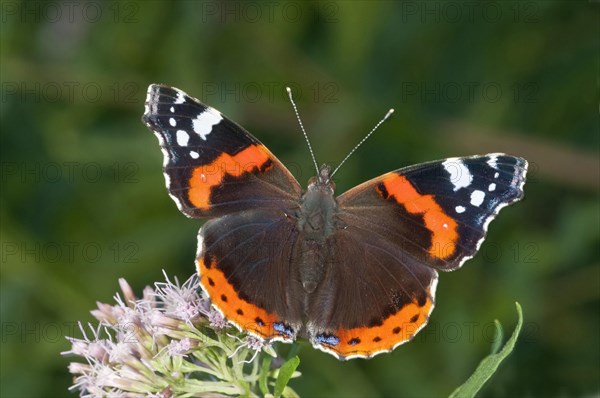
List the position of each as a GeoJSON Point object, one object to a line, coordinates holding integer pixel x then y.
{"type": "Point", "coordinates": [376, 339]}
{"type": "Point", "coordinates": [414, 318]}
{"type": "Point", "coordinates": [378, 321]}
{"type": "Point", "coordinates": [259, 321]}
{"type": "Point", "coordinates": [396, 330]}
{"type": "Point", "coordinates": [354, 341]}
{"type": "Point", "coordinates": [224, 298]}
{"type": "Point", "coordinates": [383, 191]}
{"type": "Point", "coordinates": [239, 311]}
{"type": "Point", "coordinates": [211, 282]}
{"type": "Point", "coordinates": [266, 165]}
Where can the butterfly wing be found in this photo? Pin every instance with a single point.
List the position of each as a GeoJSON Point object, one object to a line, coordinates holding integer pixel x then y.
{"type": "Point", "coordinates": [439, 211]}
{"type": "Point", "coordinates": [373, 296]}
{"type": "Point", "coordinates": [244, 266]}
{"type": "Point", "coordinates": [212, 166]}
{"type": "Point", "coordinates": [397, 230]}
{"type": "Point", "coordinates": [215, 168]}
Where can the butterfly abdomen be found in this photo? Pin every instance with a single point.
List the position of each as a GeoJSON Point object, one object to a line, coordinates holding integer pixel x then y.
{"type": "Point", "coordinates": [315, 225]}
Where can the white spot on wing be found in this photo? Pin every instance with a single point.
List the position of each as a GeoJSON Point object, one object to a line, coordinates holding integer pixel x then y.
{"type": "Point", "coordinates": [182, 138]}
{"type": "Point", "coordinates": [148, 100]}
{"type": "Point", "coordinates": [194, 154]}
{"type": "Point", "coordinates": [460, 209]}
{"type": "Point", "coordinates": [492, 187]}
{"type": "Point", "coordinates": [496, 175]}
{"type": "Point", "coordinates": [166, 160]}
{"type": "Point", "coordinates": [477, 197]}
{"type": "Point", "coordinates": [492, 161]}
{"type": "Point", "coordinates": [460, 176]}
{"type": "Point", "coordinates": [205, 121]}
{"type": "Point", "coordinates": [172, 109]}
{"type": "Point", "coordinates": [180, 97]}
{"type": "Point", "coordinates": [172, 122]}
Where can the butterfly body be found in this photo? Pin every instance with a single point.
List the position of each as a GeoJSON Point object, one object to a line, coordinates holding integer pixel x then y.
{"type": "Point", "coordinates": [355, 274]}
{"type": "Point", "coordinates": [318, 208]}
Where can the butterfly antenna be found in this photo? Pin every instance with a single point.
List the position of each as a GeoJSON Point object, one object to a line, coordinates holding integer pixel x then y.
{"type": "Point", "coordinates": [312, 154]}
{"type": "Point", "coordinates": [386, 117]}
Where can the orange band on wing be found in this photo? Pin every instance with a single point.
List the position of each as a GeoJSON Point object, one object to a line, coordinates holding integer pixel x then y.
{"type": "Point", "coordinates": [442, 227]}
{"type": "Point", "coordinates": [397, 329]}
{"type": "Point", "coordinates": [207, 176]}
{"type": "Point", "coordinates": [245, 315]}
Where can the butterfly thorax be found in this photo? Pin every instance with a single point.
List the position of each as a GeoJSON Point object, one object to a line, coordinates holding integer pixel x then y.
{"type": "Point", "coordinates": [318, 207]}
{"type": "Point", "coordinates": [315, 224]}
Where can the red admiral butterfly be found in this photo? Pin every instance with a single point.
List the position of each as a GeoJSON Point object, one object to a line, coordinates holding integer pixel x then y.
{"type": "Point", "coordinates": [356, 274]}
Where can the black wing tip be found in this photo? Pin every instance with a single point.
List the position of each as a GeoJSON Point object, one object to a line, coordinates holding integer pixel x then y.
{"type": "Point", "coordinates": [520, 176]}
{"type": "Point", "coordinates": [153, 87]}
{"type": "Point", "coordinates": [155, 90]}
{"type": "Point", "coordinates": [519, 166]}
{"type": "Point", "coordinates": [160, 94]}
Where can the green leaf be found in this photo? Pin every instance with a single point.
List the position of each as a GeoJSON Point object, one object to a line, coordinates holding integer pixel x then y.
{"type": "Point", "coordinates": [285, 374]}
{"type": "Point", "coordinates": [497, 344]}
{"type": "Point", "coordinates": [264, 373]}
{"type": "Point", "coordinates": [289, 393]}
{"type": "Point", "coordinates": [489, 364]}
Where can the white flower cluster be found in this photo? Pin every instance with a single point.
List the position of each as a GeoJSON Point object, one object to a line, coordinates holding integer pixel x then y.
{"type": "Point", "coordinates": [168, 343]}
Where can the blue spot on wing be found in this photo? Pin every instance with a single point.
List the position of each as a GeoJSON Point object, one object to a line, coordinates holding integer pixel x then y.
{"type": "Point", "coordinates": [328, 339]}
{"type": "Point", "coordinates": [283, 328]}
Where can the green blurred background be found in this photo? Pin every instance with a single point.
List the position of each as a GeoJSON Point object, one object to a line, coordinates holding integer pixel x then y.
{"type": "Point", "coordinates": [84, 202]}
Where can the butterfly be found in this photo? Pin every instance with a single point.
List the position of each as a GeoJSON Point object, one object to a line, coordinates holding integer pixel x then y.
{"type": "Point", "coordinates": [356, 274]}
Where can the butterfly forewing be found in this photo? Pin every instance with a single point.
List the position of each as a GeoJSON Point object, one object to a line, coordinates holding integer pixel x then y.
{"type": "Point", "coordinates": [438, 211]}
{"type": "Point", "coordinates": [212, 166]}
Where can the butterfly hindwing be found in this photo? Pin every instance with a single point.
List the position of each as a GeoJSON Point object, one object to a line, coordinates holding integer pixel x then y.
{"type": "Point", "coordinates": [243, 262]}
{"type": "Point", "coordinates": [213, 166]}
{"type": "Point", "coordinates": [373, 297]}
